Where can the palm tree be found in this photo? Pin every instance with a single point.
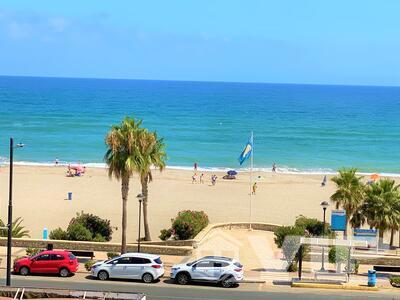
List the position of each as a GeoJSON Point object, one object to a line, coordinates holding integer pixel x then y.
{"type": "Point", "coordinates": [349, 194]}
{"type": "Point", "coordinates": [123, 158]}
{"type": "Point", "coordinates": [17, 230]}
{"type": "Point", "coordinates": [382, 206]}
{"type": "Point", "coordinates": [153, 154]}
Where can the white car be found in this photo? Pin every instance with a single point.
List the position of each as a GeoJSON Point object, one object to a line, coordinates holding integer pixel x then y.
{"type": "Point", "coordinates": [142, 266]}
{"type": "Point", "coordinates": [224, 270]}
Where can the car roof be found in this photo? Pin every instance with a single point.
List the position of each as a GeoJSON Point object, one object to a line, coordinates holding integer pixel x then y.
{"type": "Point", "coordinates": [54, 252]}
{"type": "Point", "coordinates": [144, 255]}
{"type": "Point", "coordinates": [218, 258]}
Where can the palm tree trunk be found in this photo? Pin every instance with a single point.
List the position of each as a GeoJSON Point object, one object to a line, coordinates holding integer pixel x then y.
{"type": "Point", "coordinates": [124, 192]}
{"type": "Point", "coordinates": [381, 232]}
{"type": "Point", "coordinates": [391, 236]}
{"type": "Point", "coordinates": [145, 193]}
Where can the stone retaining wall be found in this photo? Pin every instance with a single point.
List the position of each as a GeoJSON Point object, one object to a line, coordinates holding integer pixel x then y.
{"type": "Point", "coordinates": [93, 246]}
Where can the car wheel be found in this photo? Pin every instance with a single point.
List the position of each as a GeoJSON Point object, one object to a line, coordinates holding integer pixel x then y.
{"type": "Point", "coordinates": [64, 272]}
{"type": "Point", "coordinates": [182, 278]}
{"type": "Point", "coordinates": [102, 275]}
{"type": "Point", "coordinates": [227, 282]}
{"type": "Point", "coordinates": [24, 271]}
{"type": "Point", "coordinates": [147, 278]}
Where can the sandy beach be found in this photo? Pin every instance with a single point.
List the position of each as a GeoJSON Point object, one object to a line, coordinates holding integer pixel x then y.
{"type": "Point", "coordinates": [40, 195]}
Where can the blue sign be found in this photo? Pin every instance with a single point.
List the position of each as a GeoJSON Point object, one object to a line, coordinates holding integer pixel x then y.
{"type": "Point", "coordinates": [338, 220]}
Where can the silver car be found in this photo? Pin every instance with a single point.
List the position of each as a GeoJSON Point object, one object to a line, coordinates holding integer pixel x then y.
{"type": "Point", "coordinates": [142, 266]}
{"type": "Point", "coordinates": [219, 269]}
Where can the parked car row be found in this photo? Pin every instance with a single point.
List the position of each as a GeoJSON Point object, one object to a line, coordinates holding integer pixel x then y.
{"type": "Point", "coordinates": [141, 266]}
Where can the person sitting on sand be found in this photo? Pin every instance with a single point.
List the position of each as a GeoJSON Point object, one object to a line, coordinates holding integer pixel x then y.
{"type": "Point", "coordinates": [69, 172]}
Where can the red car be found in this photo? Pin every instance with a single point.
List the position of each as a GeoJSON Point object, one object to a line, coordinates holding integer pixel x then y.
{"type": "Point", "coordinates": [63, 263]}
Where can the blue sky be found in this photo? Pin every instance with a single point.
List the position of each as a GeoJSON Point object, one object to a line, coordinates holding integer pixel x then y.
{"type": "Point", "coordinates": [285, 41]}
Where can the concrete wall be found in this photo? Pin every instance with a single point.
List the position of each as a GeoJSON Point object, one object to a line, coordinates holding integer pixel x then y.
{"type": "Point", "coordinates": [93, 246]}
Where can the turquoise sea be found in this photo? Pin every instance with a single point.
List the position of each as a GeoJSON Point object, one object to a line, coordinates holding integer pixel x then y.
{"type": "Point", "coordinates": [303, 128]}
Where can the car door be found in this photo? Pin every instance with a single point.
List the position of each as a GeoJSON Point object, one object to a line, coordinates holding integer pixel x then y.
{"type": "Point", "coordinates": [216, 270]}
{"type": "Point", "coordinates": [136, 268]}
{"type": "Point", "coordinates": [118, 267]}
{"type": "Point", "coordinates": [41, 263]}
{"type": "Point", "coordinates": [200, 270]}
{"type": "Point", "coordinates": [55, 263]}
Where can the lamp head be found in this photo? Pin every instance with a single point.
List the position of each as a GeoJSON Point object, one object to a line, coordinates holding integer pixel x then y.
{"type": "Point", "coordinates": [324, 204]}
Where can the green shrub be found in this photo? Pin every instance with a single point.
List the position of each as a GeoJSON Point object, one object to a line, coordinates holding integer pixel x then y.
{"type": "Point", "coordinates": [97, 226]}
{"type": "Point", "coordinates": [88, 265]}
{"type": "Point", "coordinates": [338, 255]}
{"type": "Point", "coordinates": [78, 232]}
{"type": "Point", "coordinates": [33, 251]}
{"type": "Point", "coordinates": [314, 226]}
{"type": "Point", "coordinates": [84, 227]}
{"type": "Point", "coordinates": [288, 238]}
{"type": "Point", "coordinates": [165, 234]}
{"type": "Point", "coordinates": [111, 255]}
{"type": "Point", "coordinates": [188, 224]}
{"type": "Point", "coordinates": [354, 266]}
{"type": "Point", "coordinates": [395, 281]}
{"type": "Point", "coordinates": [58, 234]}
{"type": "Point", "coordinates": [283, 231]}
{"type": "Point", "coordinates": [98, 238]}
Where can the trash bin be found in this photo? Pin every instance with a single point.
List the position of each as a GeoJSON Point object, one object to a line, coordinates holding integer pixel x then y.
{"type": "Point", "coordinates": [371, 277]}
{"type": "Point", "coordinates": [49, 246]}
{"type": "Point", "coordinates": [69, 195]}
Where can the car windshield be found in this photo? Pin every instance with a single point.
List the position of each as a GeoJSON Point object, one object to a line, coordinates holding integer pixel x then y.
{"type": "Point", "coordinates": [191, 263]}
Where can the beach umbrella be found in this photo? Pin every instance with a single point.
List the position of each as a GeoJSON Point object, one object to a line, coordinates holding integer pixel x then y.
{"type": "Point", "coordinates": [374, 177]}
{"type": "Point", "coordinates": [232, 172]}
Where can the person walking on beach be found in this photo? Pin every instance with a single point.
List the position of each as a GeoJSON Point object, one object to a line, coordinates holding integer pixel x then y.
{"type": "Point", "coordinates": [201, 178]}
{"type": "Point", "coordinates": [213, 179]}
{"type": "Point", "coordinates": [254, 188]}
{"type": "Point", "coordinates": [323, 183]}
{"type": "Point", "coordinates": [195, 166]}
{"type": "Point", "coordinates": [194, 178]}
{"type": "Point", "coordinates": [274, 167]}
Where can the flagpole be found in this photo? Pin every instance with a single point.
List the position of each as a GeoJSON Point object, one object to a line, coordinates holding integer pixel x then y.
{"type": "Point", "coordinates": [251, 177]}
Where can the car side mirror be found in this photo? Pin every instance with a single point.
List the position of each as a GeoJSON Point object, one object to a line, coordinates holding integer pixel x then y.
{"type": "Point", "coordinates": [33, 259]}
{"type": "Point", "coordinates": [194, 267]}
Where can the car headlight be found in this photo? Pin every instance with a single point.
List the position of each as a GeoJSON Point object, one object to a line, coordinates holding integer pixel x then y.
{"type": "Point", "coordinates": [94, 267]}
{"type": "Point", "coordinates": [174, 269]}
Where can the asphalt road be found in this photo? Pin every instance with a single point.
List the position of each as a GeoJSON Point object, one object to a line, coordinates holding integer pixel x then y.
{"type": "Point", "coordinates": [166, 290]}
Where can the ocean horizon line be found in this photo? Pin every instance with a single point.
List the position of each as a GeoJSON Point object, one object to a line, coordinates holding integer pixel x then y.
{"type": "Point", "coordinates": [280, 169]}
{"type": "Point", "coordinates": [202, 81]}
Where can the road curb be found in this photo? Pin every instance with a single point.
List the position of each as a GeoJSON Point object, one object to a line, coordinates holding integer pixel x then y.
{"type": "Point", "coordinates": [334, 286]}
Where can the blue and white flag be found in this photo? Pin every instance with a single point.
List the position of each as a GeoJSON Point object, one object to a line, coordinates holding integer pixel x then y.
{"type": "Point", "coordinates": [247, 152]}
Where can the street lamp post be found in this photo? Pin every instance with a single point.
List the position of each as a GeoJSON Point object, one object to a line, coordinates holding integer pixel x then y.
{"type": "Point", "coordinates": [9, 223]}
{"type": "Point", "coordinates": [140, 198]}
{"type": "Point", "coordinates": [324, 205]}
